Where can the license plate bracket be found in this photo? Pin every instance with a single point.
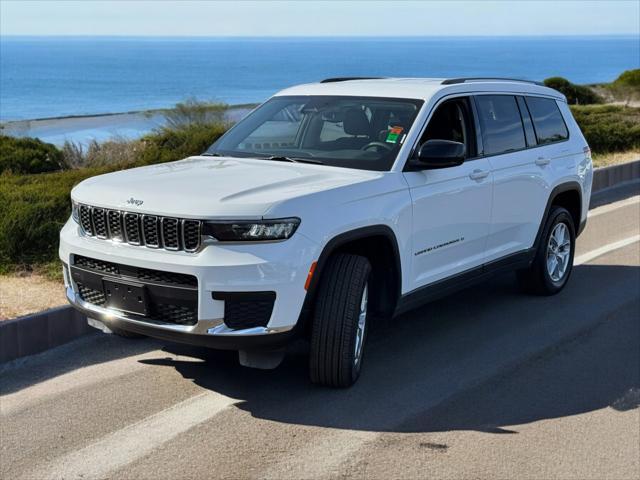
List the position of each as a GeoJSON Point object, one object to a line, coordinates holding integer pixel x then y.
{"type": "Point", "coordinates": [125, 296]}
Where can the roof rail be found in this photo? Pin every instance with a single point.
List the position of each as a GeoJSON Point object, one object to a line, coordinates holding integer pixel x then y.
{"type": "Point", "coordinates": [346, 79]}
{"type": "Point", "coordinates": [453, 81]}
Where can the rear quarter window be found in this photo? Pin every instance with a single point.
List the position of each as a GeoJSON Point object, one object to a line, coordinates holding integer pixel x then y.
{"type": "Point", "coordinates": [547, 120]}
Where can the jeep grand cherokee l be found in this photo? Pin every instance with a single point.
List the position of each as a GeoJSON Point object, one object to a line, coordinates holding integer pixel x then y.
{"type": "Point", "coordinates": [329, 204]}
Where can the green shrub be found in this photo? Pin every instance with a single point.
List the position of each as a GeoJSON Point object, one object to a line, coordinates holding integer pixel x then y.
{"type": "Point", "coordinates": [28, 155]}
{"type": "Point", "coordinates": [33, 210]}
{"type": "Point", "coordinates": [630, 78]}
{"type": "Point", "coordinates": [626, 88]}
{"type": "Point", "coordinates": [576, 94]}
{"type": "Point", "coordinates": [194, 112]}
{"type": "Point", "coordinates": [167, 145]}
{"type": "Point", "coordinates": [609, 128]}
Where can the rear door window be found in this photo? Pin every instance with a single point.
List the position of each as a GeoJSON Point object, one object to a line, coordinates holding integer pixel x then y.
{"type": "Point", "coordinates": [501, 124]}
{"type": "Point", "coordinates": [547, 120]}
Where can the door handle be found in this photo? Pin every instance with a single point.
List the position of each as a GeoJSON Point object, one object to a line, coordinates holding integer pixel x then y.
{"type": "Point", "coordinates": [478, 174]}
{"type": "Point", "coordinates": [541, 161]}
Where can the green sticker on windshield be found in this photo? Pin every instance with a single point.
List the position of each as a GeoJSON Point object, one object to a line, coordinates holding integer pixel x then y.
{"type": "Point", "coordinates": [394, 134]}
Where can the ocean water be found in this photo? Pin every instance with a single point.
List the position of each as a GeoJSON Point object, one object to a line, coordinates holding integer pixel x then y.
{"type": "Point", "coordinates": [53, 77]}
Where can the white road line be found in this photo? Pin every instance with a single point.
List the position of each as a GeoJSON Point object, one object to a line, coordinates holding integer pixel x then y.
{"type": "Point", "coordinates": [614, 206]}
{"type": "Point", "coordinates": [76, 379]}
{"type": "Point", "coordinates": [587, 257]}
{"type": "Point", "coordinates": [124, 446]}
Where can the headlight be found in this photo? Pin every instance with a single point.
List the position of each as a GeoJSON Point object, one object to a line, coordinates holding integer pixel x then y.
{"type": "Point", "coordinates": [75, 211]}
{"type": "Point", "coordinates": [252, 231]}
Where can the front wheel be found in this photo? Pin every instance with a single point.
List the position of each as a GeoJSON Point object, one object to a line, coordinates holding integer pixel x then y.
{"type": "Point", "coordinates": [340, 324]}
{"type": "Point", "coordinates": [552, 265]}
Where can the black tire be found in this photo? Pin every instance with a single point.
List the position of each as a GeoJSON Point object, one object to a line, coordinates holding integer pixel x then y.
{"type": "Point", "coordinates": [332, 359]}
{"type": "Point", "coordinates": [125, 334]}
{"type": "Point", "coordinates": [536, 279]}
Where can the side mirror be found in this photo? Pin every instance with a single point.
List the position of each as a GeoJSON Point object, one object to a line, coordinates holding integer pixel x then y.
{"type": "Point", "coordinates": [441, 154]}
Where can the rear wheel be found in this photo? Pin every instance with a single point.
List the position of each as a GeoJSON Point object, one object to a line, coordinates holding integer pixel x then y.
{"type": "Point", "coordinates": [552, 265]}
{"type": "Point", "coordinates": [339, 329]}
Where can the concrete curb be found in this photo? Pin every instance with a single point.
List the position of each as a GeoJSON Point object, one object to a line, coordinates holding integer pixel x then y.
{"type": "Point", "coordinates": [38, 332]}
{"type": "Point", "coordinates": [615, 175]}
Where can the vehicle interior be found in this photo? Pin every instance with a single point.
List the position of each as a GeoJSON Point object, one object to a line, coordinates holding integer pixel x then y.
{"type": "Point", "coordinates": [353, 132]}
{"type": "Point", "coordinates": [452, 121]}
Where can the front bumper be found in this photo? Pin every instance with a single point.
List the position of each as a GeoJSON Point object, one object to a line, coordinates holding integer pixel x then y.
{"type": "Point", "coordinates": [210, 333]}
{"type": "Point", "coordinates": [279, 267]}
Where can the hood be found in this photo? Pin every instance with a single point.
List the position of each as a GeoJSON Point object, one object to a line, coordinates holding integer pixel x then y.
{"type": "Point", "coordinates": [212, 187]}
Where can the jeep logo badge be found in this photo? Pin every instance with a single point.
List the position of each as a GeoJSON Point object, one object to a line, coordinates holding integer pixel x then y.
{"type": "Point", "coordinates": [133, 201]}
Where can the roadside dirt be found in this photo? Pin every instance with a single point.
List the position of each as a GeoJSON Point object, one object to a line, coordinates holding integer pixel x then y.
{"type": "Point", "coordinates": [606, 159]}
{"type": "Point", "coordinates": [22, 294]}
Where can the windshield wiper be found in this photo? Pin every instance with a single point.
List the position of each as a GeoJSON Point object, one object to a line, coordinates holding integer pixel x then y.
{"type": "Point", "coordinates": [206, 154]}
{"type": "Point", "coordinates": [282, 158]}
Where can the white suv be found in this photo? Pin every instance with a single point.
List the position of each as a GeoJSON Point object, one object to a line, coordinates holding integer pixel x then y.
{"type": "Point", "coordinates": [328, 205]}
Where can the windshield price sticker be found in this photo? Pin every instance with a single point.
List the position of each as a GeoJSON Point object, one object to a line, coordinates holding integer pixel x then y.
{"type": "Point", "coordinates": [394, 133]}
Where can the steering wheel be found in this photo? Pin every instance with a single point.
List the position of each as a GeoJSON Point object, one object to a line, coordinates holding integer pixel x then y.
{"type": "Point", "coordinates": [377, 145]}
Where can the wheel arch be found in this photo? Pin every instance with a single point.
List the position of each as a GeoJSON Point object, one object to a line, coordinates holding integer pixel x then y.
{"type": "Point", "coordinates": [569, 196]}
{"type": "Point", "coordinates": [363, 241]}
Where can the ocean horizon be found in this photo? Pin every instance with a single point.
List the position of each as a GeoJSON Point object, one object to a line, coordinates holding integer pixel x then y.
{"type": "Point", "coordinates": [45, 77]}
{"type": "Point", "coordinates": [86, 87]}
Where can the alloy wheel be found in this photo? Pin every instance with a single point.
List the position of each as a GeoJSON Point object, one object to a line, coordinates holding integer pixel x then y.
{"type": "Point", "coordinates": [558, 252]}
{"type": "Point", "coordinates": [362, 323]}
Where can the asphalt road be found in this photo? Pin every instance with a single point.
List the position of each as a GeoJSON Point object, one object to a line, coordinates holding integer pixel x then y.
{"type": "Point", "coordinates": [487, 383]}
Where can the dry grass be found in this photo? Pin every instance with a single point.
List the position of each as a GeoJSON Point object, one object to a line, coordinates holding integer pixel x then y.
{"type": "Point", "coordinates": [606, 159]}
{"type": "Point", "coordinates": [22, 294]}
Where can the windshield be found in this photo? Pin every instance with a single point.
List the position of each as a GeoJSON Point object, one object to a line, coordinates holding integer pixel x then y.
{"type": "Point", "coordinates": [352, 132]}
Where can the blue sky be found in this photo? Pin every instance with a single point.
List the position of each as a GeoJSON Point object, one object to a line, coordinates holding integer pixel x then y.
{"type": "Point", "coordinates": [315, 18]}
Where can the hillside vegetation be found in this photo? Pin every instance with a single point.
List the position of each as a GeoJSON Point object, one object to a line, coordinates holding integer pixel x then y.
{"type": "Point", "coordinates": [609, 128]}
{"type": "Point", "coordinates": [576, 94]}
{"type": "Point", "coordinates": [36, 178]}
{"type": "Point", "coordinates": [29, 155]}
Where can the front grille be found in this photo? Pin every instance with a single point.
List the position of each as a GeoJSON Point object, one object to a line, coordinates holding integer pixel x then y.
{"type": "Point", "coordinates": [132, 228]}
{"type": "Point", "coordinates": [115, 225]}
{"type": "Point", "coordinates": [135, 273]}
{"type": "Point", "coordinates": [150, 231]}
{"type": "Point", "coordinates": [96, 265]}
{"type": "Point", "coordinates": [246, 309]}
{"type": "Point", "coordinates": [100, 222]}
{"type": "Point", "coordinates": [179, 314]}
{"type": "Point", "coordinates": [170, 297]}
{"type": "Point", "coordinates": [170, 232]}
{"type": "Point", "coordinates": [85, 219]}
{"type": "Point", "coordinates": [90, 295]}
{"type": "Point", "coordinates": [247, 314]}
{"type": "Point", "coordinates": [146, 230]}
{"type": "Point", "coordinates": [191, 234]}
{"type": "Point", "coordinates": [166, 277]}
